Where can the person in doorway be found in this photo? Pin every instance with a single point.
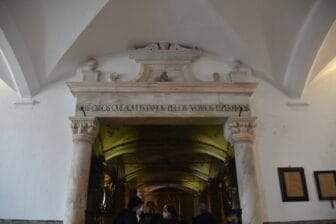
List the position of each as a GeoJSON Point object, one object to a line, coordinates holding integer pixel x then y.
{"type": "Point", "coordinates": [150, 216]}
{"type": "Point", "coordinates": [204, 217]}
{"type": "Point", "coordinates": [169, 215]}
{"type": "Point", "coordinates": [129, 215]}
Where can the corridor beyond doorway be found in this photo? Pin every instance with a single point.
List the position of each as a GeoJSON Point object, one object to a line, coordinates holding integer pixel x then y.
{"type": "Point", "coordinates": [181, 165]}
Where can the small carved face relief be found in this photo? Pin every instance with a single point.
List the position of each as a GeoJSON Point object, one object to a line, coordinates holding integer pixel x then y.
{"type": "Point", "coordinates": [163, 77]}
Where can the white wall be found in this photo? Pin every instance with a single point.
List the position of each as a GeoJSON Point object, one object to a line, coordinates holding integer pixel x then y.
{"type": "Point", "coordinates": [296, 136]}
{"type": "Point", "coordinates": [36, 145]}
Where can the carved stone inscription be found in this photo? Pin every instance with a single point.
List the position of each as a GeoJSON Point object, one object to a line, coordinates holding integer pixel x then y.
{"type": "Point", "coordinates": [236, 109]}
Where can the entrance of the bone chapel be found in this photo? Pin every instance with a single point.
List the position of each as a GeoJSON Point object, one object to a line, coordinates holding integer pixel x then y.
{"type": "Point", "coordinates": [178, 165]}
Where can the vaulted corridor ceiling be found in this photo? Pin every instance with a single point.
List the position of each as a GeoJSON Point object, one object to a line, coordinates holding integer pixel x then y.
{"type": "Point", "coordinates": [285, 42]}
{"type": "Point", "coordinates": [164, 156]}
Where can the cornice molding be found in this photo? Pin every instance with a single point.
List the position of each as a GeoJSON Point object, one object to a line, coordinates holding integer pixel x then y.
{"type": "Point", "coordinates": [162, 87]}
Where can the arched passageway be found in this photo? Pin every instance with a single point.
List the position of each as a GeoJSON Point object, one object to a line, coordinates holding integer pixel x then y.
{"type": "Point", "coordinates": [180, 165]}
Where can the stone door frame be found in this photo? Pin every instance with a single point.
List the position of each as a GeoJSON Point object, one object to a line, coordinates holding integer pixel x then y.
{"type": "Point", "coordinates": [165, 90]}
{"type": "Point", "coordinates": [238, 130]}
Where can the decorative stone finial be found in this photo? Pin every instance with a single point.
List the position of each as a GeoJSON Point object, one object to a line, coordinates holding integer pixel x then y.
{"type": "Point", "coordinates": [216, 77]}
{"type": "Point", "coordinates": [236, 64]}
{"type": "Point", "coordinates": [90, 72]}
{"type": "Point", "coordinates": [91, 65]}
{"type": "Point", "coordinates": [239, 72]}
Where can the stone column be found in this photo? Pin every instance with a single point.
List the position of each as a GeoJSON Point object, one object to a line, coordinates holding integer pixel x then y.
{"type": "Point", "coordinates": [240, 132]}
{"type": "Point", "coordinates": [84, 131]}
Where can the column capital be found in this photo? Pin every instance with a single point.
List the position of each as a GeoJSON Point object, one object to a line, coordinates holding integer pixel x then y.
{"type": "Point", "coordinates": [240, 129]}
{"type": "Point", "coordinates": [84, 129]}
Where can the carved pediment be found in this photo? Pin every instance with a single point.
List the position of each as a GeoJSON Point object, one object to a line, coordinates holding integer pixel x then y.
{"type": "Point", "coordinates": [165, 62]}
{"type": "Point", "coordinates": [165, 89]}
{"type": "Point", "coordinates": [165, 51]}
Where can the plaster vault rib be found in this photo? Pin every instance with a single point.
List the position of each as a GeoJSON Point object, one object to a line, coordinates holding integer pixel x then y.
{"type": "Point", "coordinates": [31, 36]}
{"type": "Point", "coordinates": [16, 56]}
{"type": "Point", "coordinates": [308, 41]}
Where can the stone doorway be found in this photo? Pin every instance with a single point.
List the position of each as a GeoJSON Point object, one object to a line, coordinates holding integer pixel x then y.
{"type": "Point", "coordinates": [180, 165]}
{"type": "Point", "coordinates": [164, 93]}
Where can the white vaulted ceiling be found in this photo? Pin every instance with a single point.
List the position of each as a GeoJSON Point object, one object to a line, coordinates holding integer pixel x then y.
{"type": "Point", "coordinates": [278, 39]}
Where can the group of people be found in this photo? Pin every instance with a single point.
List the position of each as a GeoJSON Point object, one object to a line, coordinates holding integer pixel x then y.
{"type": "Point", "coordinates": [137, 213]}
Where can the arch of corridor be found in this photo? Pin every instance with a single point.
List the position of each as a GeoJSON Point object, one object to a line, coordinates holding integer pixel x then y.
{"type": "Point", "coordinates": [180, 165]}
{"type": "Point", "coordinates": [161, 136]}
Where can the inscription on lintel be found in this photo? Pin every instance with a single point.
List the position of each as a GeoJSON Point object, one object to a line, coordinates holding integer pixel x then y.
{"type": "Point", "coordinates": [162, 108]}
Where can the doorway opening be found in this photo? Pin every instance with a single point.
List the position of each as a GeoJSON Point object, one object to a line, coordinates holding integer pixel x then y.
{"type": "Point", "coordinates": [177, 165]}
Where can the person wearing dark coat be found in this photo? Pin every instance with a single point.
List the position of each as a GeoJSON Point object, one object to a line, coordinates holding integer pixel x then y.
{"type": "Point", "coordinates": [150, 216]}
{"type": "Point", "coordinates": [204, 217]}
{"type": "Point", "coordinates": [129, 215]}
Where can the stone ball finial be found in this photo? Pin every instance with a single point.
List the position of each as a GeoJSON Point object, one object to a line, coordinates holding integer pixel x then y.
{"type": "Point", "coordinates": [91, 64]}
{"type": "Point", "coordinates": [216, 77]}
